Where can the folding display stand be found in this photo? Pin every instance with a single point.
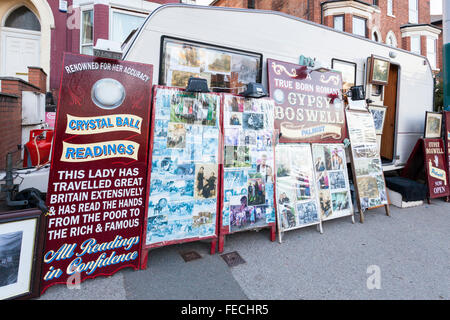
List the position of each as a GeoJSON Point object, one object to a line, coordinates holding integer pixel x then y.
{"type": "Point", "coordinates": [247, 170]}
{"type": "Point", "coordinates": [184, 177]}
{"type": "Point", "coordinates": [297, 201]}
{"type": "Point", "coordinates": [368, 176]}
{"type": "Point", "coordinates": [331, 175]}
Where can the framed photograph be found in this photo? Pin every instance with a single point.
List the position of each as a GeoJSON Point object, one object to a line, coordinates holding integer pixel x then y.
{"type": "Point", "coordinates": [20, 253]}
{"type": "Point", "coordinates": [226, 69]}
{"type": "Point", "coordinates": [379, 114]}
{"type": "Point", "coordinates": [379, 70]}
{"type": "Point", "coordinates": [348, 70]}
{"type": "Point", "coordinates": [433, 124]}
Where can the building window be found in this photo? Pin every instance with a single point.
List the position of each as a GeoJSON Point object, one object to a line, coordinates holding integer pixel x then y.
{"type": "Point", "coordinates": [391, 40]}
{"type": "Point", "coordinates": [359, 26]}
{"type": "Point", "coordinates": [338, 23]}
{"type": "Point", "coordinates": [390, 8]}
{"type": "Point", "coordinates": [415, 44]}
{"type": "Point", "coordinates": [413, 11]}
{"type": "Point", "coordinates": [431, 52]}
{"type": "Point", "coordinates": [87, 32]}
{"type": "Point", "coordinates": [23, 18]}
{"type": "Point", "coordinates": [123, 23]}
{"type": "Point", "coordinates": [376, 36]}
{"type": "Point", "coordinates": [375, 2]}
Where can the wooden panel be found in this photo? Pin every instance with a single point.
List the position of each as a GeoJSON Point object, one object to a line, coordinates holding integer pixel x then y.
{"type": "Point", "coordinates": [390, 101]}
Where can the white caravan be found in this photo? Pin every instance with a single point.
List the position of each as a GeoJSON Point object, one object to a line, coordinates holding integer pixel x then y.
{"type": "Point", "coordinates": [275, 35]}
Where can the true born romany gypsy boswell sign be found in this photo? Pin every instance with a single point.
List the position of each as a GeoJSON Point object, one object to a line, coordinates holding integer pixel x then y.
{"type": "Point", "coordinates": [97, 184]}
{"type": "Point", "coordinates": [308, 103]}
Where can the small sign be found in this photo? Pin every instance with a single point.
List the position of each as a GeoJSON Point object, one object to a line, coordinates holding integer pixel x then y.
{"type": "Point", "coordinates": [308, 103]}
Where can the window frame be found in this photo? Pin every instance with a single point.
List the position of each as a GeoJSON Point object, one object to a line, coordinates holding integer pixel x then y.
{"type": "Point", "coordinates": [162, 56]}
{"type": "Point", "coordinates": [433, 63]}
{"type": "Point", "coordinates": [415, 11]}
{"type": "Point", "coordinates": [417, 38]}
{"type": "Point", "coordinates": [135, 13]}
{"type": "Point", "coordinates": [391, 6]}
{"type": "Point", "coordinates": [365, 25]}
{"type": "Point", "coordinates": [343, 22]}
{"type": "Point", "coordinates": [83, 45]}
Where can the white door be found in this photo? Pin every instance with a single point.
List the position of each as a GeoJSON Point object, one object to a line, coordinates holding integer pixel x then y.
{"type": "Point", "coordinates": [19, 50]}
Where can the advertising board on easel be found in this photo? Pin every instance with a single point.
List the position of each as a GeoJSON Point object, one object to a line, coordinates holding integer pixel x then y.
{"type": "Point", "coordinates": [97, 183]}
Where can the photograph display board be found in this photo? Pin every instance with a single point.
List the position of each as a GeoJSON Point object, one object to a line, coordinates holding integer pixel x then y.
{"type": "Point", "coordinates": [308, 103]}
{"type": "Point", "coordinates": [98, 176]}
{"type": "Point", "coordinates": [297, 196]}
{"type": "Point", "coordinates": [184, 178]}
{"type": "Point", "coordinates": [248, 193]}
{"type": "Point", "coordinates": [367, 168]}
{"type": "Point", "coordinates": [330, 165]}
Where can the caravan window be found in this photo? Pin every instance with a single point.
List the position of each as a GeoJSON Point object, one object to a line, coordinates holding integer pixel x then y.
{"type": "Point", "coordinates": [226, 70]}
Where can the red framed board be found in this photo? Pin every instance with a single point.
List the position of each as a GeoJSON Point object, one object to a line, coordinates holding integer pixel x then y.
{"type": "Point", "coordinates": [184, 177]}
{"type": "Point", "coordinates": [428, 157]}
{"type": "Point", "coordinates": [308, 103]}
{"type": "Point", "coordinates": [97, 183]}
{"type": "Point", "coordinates": [247, 197]}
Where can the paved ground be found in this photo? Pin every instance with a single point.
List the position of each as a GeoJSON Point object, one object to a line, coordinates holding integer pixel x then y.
{"type": "Point", "coordinates": [410, 251]}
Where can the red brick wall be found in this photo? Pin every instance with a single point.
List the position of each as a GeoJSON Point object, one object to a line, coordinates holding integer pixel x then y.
{"type": "Point", "coordinates": [11, 124]}
{"type": "Point", "coordinates": [37, 77]}
{"type": "Point", "coordinates": [11, 116]}
{"type": "Point", "coordinates": [382, 21]}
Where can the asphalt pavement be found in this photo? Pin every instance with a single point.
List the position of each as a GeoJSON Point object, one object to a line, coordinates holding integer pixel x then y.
{"type": "Point", "coordinates": [404, 256]}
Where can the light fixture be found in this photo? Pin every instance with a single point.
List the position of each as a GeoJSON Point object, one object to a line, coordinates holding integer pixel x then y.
{"type": "Point", "coordinates": [392, 54]}
{"type": "Point", "coordinates": [254, 90]}
{"type": "Point", "coordinates": [197, 85]}
{"type": "Point", "coordinates": [357, 93]}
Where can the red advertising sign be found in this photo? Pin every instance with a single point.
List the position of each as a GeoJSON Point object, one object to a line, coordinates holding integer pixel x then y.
{"type": "Point", "coordinates": [97, 184]}
{"type": "Point", "coordinates": [436, 168]}
{"type": "Point", "coordinates": [429, 152]}
{"type": "Point", "coordinates": [308, 103]}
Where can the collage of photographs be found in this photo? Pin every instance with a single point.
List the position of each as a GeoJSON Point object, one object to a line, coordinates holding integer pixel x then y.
{"type": "Point", "coordinates": [366, 160]}
{"type": "Point", "coordinates": [248, 163]}
{"type": "Point", "coordinates": [297, 198]}
{"type": "Point", "coordinates": [184, 173]}
{"type": "Point", "coordinates": [221, 68]}
{"type": "Point", "coordinates": [330, 166]}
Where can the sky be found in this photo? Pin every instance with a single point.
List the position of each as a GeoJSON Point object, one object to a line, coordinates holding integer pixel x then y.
{"type": "Point", "coordinates": [435, 6]}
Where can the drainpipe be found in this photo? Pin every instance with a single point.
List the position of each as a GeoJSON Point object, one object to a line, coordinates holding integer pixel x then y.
{"type": "Point", "coordinates": [446, 53]}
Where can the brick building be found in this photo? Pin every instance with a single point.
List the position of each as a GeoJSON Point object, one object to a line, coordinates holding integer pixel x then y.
{"type": "Point", "coordinates": [404, 24]}
{"type": "Point", "coordinates": [34, 34]}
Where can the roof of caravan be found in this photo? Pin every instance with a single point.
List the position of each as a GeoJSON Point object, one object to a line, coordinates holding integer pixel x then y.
{"type": "Point", "coordinates": [253, 11]}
